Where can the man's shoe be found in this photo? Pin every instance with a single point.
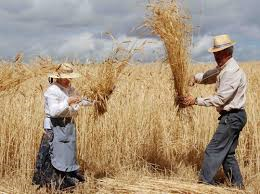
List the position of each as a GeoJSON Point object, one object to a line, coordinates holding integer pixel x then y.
{"type": "Point", "coordinates": [206, 183]}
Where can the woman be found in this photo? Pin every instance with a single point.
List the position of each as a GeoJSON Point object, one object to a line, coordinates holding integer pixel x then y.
{"type": "Point", "coordinates": [56, 163]}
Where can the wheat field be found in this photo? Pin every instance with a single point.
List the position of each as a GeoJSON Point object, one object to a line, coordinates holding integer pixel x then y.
{"type": "Point", "coordinates": [140, 145]}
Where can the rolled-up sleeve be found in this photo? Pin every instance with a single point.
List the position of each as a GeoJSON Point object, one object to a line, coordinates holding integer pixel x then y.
{"type": "Point", "coordinates": [229, 83]}
{"type": "Point", "coordinates": [199, 77]}
{"type": "Point", "coordinates": [209, 77]}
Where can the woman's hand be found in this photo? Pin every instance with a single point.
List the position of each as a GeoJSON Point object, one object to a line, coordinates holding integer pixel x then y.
{"type": "Point", "coordinates": [74, 100]}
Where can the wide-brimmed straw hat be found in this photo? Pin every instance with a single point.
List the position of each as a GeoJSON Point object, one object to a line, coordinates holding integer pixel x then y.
{"type": "Point", "coordinates": [64, 71]}
{"type": "Point", "coordinates": [221, 42]}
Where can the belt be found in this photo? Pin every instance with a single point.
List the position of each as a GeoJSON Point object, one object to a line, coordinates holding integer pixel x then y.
{"type": "Point", "coordinates": [64, 120]}
{"type": "Point", "coordinates": [224, 112]}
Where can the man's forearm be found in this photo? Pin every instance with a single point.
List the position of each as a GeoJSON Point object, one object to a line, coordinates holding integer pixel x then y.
{"type": "Point", "coordinates": [209, 77]}
{"type": "Point", "coordinates": [215, 101]}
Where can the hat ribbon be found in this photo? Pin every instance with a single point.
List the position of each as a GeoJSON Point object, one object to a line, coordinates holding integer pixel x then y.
{"type": "Point", "coordinates": [223, 45]}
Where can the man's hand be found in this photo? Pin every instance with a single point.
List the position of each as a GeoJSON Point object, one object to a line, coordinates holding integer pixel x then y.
{"type": "Point", "coordinates": [74, 100]}
{"type": "Point", "coordinates": [192, 81]}
{"type": "Point", "coordinates": [188, 100]}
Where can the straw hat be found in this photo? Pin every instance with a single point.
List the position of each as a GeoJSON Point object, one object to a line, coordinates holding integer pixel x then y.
{"type": "Point", "coordinates": [65, 70]}
{"type": "Point", "coordinates": [221, 42]}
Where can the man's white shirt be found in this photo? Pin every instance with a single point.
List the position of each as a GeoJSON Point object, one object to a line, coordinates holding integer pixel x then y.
{"type": "Point", "coordinates": [231, 85]}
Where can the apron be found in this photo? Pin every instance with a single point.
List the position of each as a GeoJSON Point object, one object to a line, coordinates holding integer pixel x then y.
{"type": "Point", "coordinates": [63, 146]}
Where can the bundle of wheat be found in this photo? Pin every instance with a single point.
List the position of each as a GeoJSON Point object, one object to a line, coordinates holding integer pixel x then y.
{"type": "Point", "coordinates": [99, 87]}
{"type": "Point", "coordinates": [12, 75]}
{"type": "Point", "coordinates": [167, 19]}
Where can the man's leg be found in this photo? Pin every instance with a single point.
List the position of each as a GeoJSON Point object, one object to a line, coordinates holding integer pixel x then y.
{"type": "Point", "coordinates": [230, 164]}
{"type": "Point", "coordinates": [231, 167]}
{"type": "Point", "coordinates": [216, 151]}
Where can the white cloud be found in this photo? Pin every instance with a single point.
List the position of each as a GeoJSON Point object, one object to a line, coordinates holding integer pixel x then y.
{"type": "Point", "coordinates": [87, 46]}
{"type": "Point", "coordinates": [148, 49]}
{"type": "Point", "coordinates": [72, 28]}
{"type": "Point", "coordinates": [201, 47]}
{"type": "Point", "coordinates": [78, 44]}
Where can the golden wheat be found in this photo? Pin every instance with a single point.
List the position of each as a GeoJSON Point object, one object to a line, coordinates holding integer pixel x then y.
{"type": "Point", "coordinates": [139, 132]}
{"type": "Point", "coordinates": [168, 20]}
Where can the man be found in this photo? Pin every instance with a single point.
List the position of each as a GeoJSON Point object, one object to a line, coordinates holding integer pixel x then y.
{"type": "Point", "coordinates": [229, 100]}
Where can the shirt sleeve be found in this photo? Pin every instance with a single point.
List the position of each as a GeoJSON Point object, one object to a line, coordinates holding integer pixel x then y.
{"type": "Point", "coordinates": [229, 83]}
{"type": "Point", "coordinates": [209, 77]}
{"type": "Point", "coordinates": [73, 108]}
{"type": "Point", "coordinates": [86, 102]}
{"type": "Point", "coordinates": [55, 104]}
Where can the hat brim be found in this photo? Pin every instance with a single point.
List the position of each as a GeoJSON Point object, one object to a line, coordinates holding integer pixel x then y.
{"type": "Point", "coordinates": [64, 75]}
{"type": "Point", "coordinates": [214, 50]}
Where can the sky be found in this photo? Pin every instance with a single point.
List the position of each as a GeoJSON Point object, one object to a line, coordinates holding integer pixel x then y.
{"type": "Point", "coordinates": [77, 29]}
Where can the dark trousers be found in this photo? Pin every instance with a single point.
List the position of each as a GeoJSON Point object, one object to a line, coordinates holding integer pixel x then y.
{"type": "Point", "coordinates": [221, 149]}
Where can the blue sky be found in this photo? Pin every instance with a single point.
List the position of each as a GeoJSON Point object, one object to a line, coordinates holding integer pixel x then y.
{"type": "Point", "coordinates": [76, 28]}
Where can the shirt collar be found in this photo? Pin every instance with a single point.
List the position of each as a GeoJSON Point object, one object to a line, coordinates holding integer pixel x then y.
{"type": "Point", "coordinates": [230, 64]}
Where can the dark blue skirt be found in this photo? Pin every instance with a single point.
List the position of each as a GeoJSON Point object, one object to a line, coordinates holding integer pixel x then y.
{"type": "Point", "coordinates": [46, 175]}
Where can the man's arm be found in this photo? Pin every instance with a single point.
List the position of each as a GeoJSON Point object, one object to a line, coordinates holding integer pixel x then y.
{"type": "Point", "coordinates": [209, 77]}
{"type": "Point", "coordinates": [229, 83]}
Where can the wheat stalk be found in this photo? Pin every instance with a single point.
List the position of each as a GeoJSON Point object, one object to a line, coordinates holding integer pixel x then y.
{"type": "Point", "coordinates": [167, 20]}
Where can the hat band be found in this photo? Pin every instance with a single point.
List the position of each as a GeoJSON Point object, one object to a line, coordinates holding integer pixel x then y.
{"type": "Point", "coordinates": [221, 46]}
{"type": "Point", "coordinates": [65, 71]}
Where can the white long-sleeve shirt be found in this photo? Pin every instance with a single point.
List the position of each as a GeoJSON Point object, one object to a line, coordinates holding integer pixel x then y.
{"type": "Point", "coordinates": [56, 103]}
{"type": "Point", "coordinates": [231, 85]}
